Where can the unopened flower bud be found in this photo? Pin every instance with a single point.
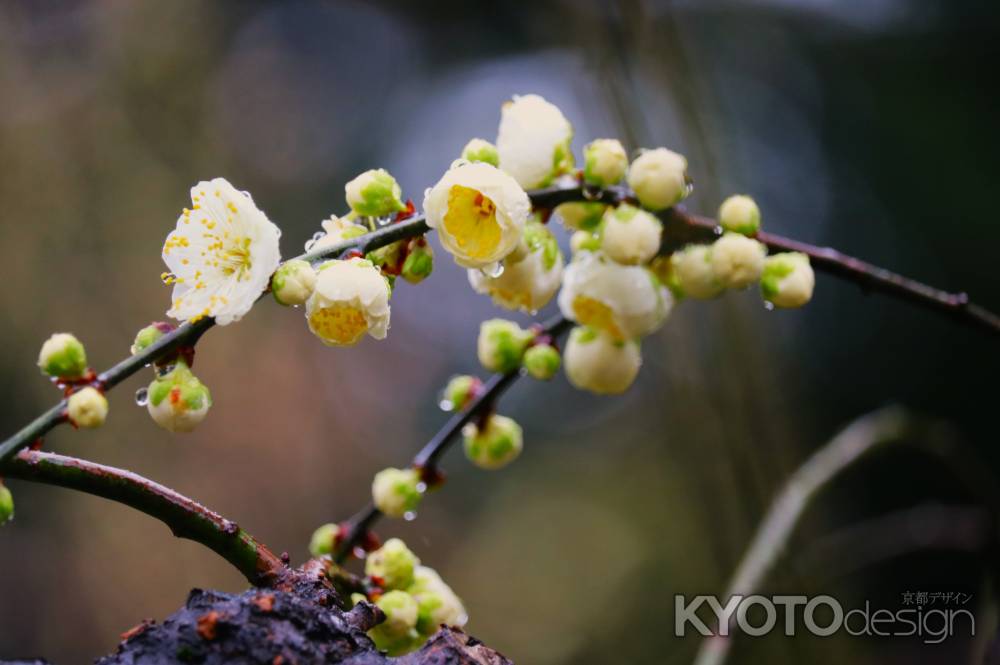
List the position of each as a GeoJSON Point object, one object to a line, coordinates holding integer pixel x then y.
{"type": "Point", "coordinates": [737, 261]}
{"type": "Point", "coordinates": [392, 564]}
{"type": "Point", "coordinates": [581, 215]}
{"type": "Point", "coordinates": [604, 162]}
{"type": "Point", "coordinates": [787, 279]}
{"type": "Point", "coordinates": [584, 241]}
{"type": "Point", "coordinates": [740, 214]}
{"type": "Point", "coordinates": [480, 150]}
{"type": "Point", "coordinates": [659, 178]}
{"type": "Point", "coordinates": [542, 361]}
{"type": "Point", "coordinates": [690, 274]}
{"type": "Point", "coordinates": [460, 389]}
{"type": "Point", "coordinates": [597, 362]}
{"type": "Point", "coordinates": [437, 603]}
{"type": "Point", "coordinates": [400, 613]}
{"type": "Point", "coordinates": [395, 491]}
{"type": "Point", "coordinates": [63, 357]}
{"type": "Point", "coordinates": [501, 344]}
{"type": "Point", "coordinates": [149, 335]}
{"type": "Point", "coordinates": [87, 407]}
{"type": "Point", "coordinates": [324, 540]}
{"type": "Point", "coordinates": [6, 505]}
{"type": "Point", "coordinates": [630, 235]}
{"type": "Point", "coordinates": [495, 445]}
{"type": "Point", "coordinates": [293, 282]}
{"type": "Point", "coordinates": [419, 262]}
{"type": "Point", "coordinates": [374, 193]}
{"type": "Point", "coordinates": [178, 401]}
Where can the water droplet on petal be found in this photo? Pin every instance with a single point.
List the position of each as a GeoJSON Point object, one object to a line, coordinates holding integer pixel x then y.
{"type": "Point", "coordinates": [142, 396]}
{"type": "Point", "coordinates": [319, 235]}
{"type": "Point", "coordinates": [410, 515]}
{"type": "Point", "coordinates": [493, 270]}
{"type": "Point", "coordinates": [247, 194]}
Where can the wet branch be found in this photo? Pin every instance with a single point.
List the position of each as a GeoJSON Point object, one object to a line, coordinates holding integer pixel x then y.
{"type": "Point", "coordinates": [357, 528]}
{"type": "Point", "coordinates": [185, 518]}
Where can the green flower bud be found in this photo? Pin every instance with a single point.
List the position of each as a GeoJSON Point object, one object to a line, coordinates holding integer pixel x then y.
{"type": "Point", "coordinates": [689, 272]}
{"type": "Point", "coordinates": [584, 241]}
{"type": "Point", "coordinates": [324, 540]}
{"type": "Point", "coordinates": [436, 603]}
{"type": "Point", "coordinates": [374, 193]}
{"type": "Point", "coordinates": [581, 215]}
{"type": "Point", "coordinates": [604, 162]}
{"type": "Point", "coordinates": [480, 150]}
{"type": "Point", "coordinates": [63, 357]}
{"type": "Point", "coordinates": [659, 178]}
{"type": "Point", "coordinates": [787, 279]}
{"type": "Point", "coordinates": [87, 408]}
{"type": "Point", "coordinates": [6, 505]}
{"type": "Point", "coordinates": [293, 282]}
{"type": "Point", "coordinates": [396, 491]}
{"type": "Point", "coordinates": [494, 446]}
{"type": "Point", "coordinates": [597, 362]}
{"type": "Point", "coordinates": [393, 564]}
{"type": "Point", "coordinates": [400, 613]}
{"type": "Point", "coordinates": [460, 389]}
{"type": "Point", "coordinates": [501, 344]}
{"type": "Point", "coordinates": [542, 361]}
{"type": "Point", "coordinates": [740, 214]}
{"type": "Point", "coordinates": [149, 335]}
{"type": "Point", "coordinates": [178, 401]}
{"type": "Point", "coordinates": [631, 235]}
{"type": "Point", "coordinates": [419, 262]}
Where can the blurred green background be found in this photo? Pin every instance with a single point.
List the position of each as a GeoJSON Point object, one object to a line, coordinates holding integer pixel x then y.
{"type": "Point", "coordinates": [866, 125]}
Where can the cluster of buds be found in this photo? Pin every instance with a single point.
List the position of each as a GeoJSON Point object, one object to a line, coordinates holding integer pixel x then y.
{"type": "Point", "coordinates": [176, 399]}
{"type": "Point", "coordinates": [737, 260]}
{"type": "Point", "coordinates": [63, 358]}
{"type": "Point", "coordinates": [347, 299]}
{"type": "Point", "coordinates": [413, 597]}
{"type": "Point", "coordinates": [503, 346]}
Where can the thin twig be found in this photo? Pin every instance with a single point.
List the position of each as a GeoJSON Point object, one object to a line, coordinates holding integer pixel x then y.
{"type": "Point", "coordinates": [357, 528]}
{"type": "Point", "coordinates": [856, 441]}
{"type": "Point", "coordinates": [185, 517]}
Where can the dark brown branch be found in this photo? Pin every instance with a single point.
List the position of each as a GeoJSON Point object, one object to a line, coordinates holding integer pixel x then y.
{"type": "Point", "coordinates": [358, 527]}
{"type": "Point", "coordinates": [185, 518]}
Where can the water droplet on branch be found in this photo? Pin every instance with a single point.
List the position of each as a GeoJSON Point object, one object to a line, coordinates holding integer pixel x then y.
{"type": "Point", "coordinates": [142, 396]}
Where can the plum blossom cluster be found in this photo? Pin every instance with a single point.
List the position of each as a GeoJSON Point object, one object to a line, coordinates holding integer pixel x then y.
{"type": "Point", "coordinates": [617, 287]}
{"type": "Point", "coordinates": [414, 598]}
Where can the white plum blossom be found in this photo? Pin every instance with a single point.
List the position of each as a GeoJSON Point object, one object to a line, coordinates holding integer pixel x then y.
{"type": "Point", "coordinates": [351, 298]}
{"type": "Point", "coordinates": [787, 279]}
{"type": "Point", "coordinates": [659, 178]}
{"type": "Point", "coordinates": [624, 301]}
{"type": "Point", "coordinates": [479, 212]}
{"type": "Point", "coordinates": [597, 362]}
{"type": "Point", "coordinates": [737, 260]}
{"type": "Point", "coordinates": [337, 230]}
{"type": "Point", "coordinates": [631, 235]}
{"type": "Point", "coordinates": [531, 274]}
{"type": "Point", "coordinates": [221, 255]}
{"type": "Point", "coordinates": [533, 141]}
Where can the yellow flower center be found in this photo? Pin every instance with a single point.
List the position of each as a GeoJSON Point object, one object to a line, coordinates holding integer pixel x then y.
{"type": "Point", "coordinates": [596, 314]}
{"type": "Point", "coordinates": [341, 324]}
{"type": "Point", "coordinates": [472, 220]}
{"type": "Point", "coordinates": [234, 257]}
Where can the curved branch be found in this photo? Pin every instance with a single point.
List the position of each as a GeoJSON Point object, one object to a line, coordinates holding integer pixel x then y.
{"type": "Point", "coordinates": [356, 529]}
{"type": "Point", "coordinates": [185, 518]}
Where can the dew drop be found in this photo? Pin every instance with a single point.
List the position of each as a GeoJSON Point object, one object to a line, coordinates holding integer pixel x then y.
{"type": "Point", "coordinates": [163, 370]}
{"type": "Point", "coordinates": [533, 312]}
{"type": "Point", "coordinates": [410, 515]}
{"type": "Point", "coordinates": [493, 270]}
{"type": "Point", "coordinates": [319, 235]}
{"type": "Point", "coordinates": [247, 194]}
{"type": "Point", "coordinates": [768, 305]}
{"type": "Point", "coordinates": [717, 230]}
{"type": "Point", "coordinates": [142, 396]}
{"type": "Point", "coordinates": [591, 193]}
{"type": "Point", "coordinates": [359, 552]}
{"type": "Point", "coordinates": [446, 405]}
{"type": "Point", "coordinates": [421, 487]}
